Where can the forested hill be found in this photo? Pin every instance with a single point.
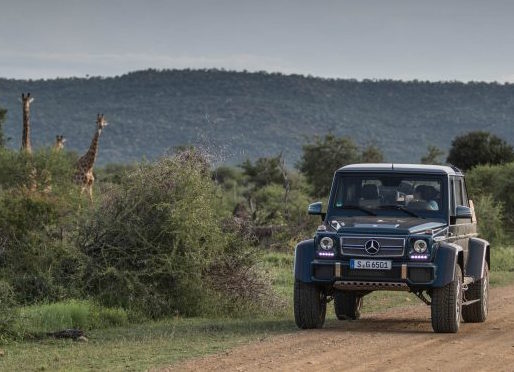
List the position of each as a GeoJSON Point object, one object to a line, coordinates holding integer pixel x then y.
{"type": "Point", "coordinates": [239, 114]}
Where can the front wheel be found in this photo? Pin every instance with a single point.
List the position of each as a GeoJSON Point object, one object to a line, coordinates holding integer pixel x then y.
{"type": "Point", "coordinates": [310, 305]}
{"type": "Point", "coordinates": [477, 312]}
{"type": "Point", "coordinates": [347, 305]}
{"type": "Point", "coordinates": [447, 305]}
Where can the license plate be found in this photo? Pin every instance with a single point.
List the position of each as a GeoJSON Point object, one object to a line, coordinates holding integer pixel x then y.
{"type": "Point", "coordinates": [370, 264]}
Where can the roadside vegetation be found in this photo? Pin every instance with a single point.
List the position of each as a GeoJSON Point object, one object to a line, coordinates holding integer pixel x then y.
{"type": "Point", "coordinates": [176, 258]}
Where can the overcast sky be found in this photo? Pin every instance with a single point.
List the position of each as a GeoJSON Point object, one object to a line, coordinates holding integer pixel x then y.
{"type": "Point", "coordinates": [427, 39]}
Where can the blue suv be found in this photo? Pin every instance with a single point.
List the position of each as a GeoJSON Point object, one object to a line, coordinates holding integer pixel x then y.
{"type": "Point", "coordinates": [396, 227]}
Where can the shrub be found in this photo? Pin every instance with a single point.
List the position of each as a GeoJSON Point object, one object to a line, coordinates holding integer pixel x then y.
{"type": "Point", "coordinates": [490, 218]}
{"type": "Point", "coordinates": [154, 237]}
{"type": "Point", "coordinates": [38, 211]}
{"type": "Point", "coordinates": [37, 259]}
{"type": "Point", "coordinates": [496, 180]}
{"type": "Point", "coordinates": [45, 170]}
{"type": "Point", "coordinates": [8, 311]}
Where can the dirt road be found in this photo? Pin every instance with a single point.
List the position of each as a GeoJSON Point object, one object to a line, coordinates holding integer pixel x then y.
{"type": "Point", "coordinates": [399, 339]}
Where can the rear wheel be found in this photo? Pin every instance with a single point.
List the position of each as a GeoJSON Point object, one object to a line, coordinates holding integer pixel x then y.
{"type": "Point", "coordinates": [347, 305]}
{"type": "Point", "coordinates": [447, 305]}
{"type": "Point", "coordinates": [477, 312]}
{"type": "Point", "coordinates": [310, 305]}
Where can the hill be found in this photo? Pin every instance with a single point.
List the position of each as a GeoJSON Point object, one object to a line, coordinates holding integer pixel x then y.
{"type": "Point", "coordinates": [241, 114]}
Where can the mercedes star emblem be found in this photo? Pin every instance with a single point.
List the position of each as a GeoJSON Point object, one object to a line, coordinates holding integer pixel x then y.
{"type": "Point", "coordinates": [372, 246]}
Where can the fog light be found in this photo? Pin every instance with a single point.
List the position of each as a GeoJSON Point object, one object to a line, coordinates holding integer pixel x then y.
{"type": "Point", "coordinates": [420, 246]}
{"type": "Point", "coordinates": [419, 256]}
{"type": "Point", "coordinates": [326, 254]}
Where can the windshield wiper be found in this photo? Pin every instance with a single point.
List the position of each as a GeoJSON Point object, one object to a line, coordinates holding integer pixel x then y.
{"type": "Point", "coordinates": [400, 208]}
{"type": "Point", "coordinates": [362, 209]}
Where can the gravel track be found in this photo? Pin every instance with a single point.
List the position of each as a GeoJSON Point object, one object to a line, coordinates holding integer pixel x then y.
{"type": "Point", "coordinates": [399, 339]}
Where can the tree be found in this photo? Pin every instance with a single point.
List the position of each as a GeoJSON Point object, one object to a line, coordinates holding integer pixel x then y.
{"type": "Point", "coordinates": [478, 148]}
{"type": "Point", "coordinates": [432, 156]}
{"type": "Point", "coordinates": [322, 157]}
{"type": "Point", "coordinates": [372, 154]}
{"type": "Point", "coordinates": [264, 171]}
{"type": "Point", "coordinates": [3, 114]}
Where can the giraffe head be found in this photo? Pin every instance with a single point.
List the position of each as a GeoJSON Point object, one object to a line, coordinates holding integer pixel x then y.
{"type": "Point", "coordinates": [101, 122]}
{"type": "Point", "coordinates": [26, 99]}
{"type": "Point", "coordinates": [59, 142]}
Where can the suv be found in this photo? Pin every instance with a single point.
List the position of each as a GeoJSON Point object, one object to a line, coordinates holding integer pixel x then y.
{"type": "Point", "coordinates": [396, 227]}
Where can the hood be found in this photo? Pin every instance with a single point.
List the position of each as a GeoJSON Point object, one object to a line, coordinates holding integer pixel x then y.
{"type": "Point", "coordinates": [384, 225]}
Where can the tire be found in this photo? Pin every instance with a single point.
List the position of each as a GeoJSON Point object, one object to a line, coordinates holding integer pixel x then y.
{"type": "Point", "coordinates": [347, 305]}
{"type": "Point", "coordinates": [477, 312]}
{"type": "Point", "coordinates": [310, 305]}
{"type": "Point", "coordinates": [447, 305]}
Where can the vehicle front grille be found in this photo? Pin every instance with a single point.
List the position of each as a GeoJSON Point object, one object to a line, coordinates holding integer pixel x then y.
{"type": "Point", "coordinates": [353, 245]}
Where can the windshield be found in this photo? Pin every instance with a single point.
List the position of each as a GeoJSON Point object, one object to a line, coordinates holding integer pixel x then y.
{"type": "Point", "coordinates": [390, 195]}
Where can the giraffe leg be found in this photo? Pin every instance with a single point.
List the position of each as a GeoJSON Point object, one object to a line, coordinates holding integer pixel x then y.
{"type": "Point", "coordinates": [90, 192]}
{"type": "Point", "coordinates": [90, 182]}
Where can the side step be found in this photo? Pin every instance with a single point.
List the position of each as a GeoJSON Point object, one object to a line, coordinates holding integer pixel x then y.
{"type": "Point", "coordinates": [373, 286]}
{"type": "Point", "coordinates": [470, 302]}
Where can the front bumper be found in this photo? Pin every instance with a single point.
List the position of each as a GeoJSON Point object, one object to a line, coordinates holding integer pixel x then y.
{"type": "Point", "coordinates": [402, 276]}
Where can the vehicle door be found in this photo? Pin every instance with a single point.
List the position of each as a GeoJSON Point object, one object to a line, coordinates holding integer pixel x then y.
{"type": "Point", "coordinates": [462, 227]}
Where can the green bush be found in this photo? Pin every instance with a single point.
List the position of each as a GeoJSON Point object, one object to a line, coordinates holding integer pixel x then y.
{"type": "Point", "coordinates": [45, 171]}
{"type": "Point", "coordinates": [153, 238]}
{"type": "Point", "coordinates": [39, 260]}
{"type": "Point", "coordinates": [496, 180]}
{"type": "Point", "coordinates": [158, 241]}
{"type": "Point", "coordinates": [8, 311]}
{"type": "Point", "coordinates": [38, 212]}
{"type": "Point", "coordinates": [490, 218]}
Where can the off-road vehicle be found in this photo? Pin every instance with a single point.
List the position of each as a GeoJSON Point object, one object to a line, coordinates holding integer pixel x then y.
{"type": "Point", "coordinates": [397, 227]}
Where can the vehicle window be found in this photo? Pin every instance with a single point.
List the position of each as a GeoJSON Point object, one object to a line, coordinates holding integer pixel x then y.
{"type": "Point", "coordinates": [464, 193]}
{"type": "Point", "coordinates": [458, 192]}
{"type": "Point", "coordinates": [391, 194]}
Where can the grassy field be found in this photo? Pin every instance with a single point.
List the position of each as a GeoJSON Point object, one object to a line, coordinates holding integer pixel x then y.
{"type": "Point", "coordinates": [136, 347]}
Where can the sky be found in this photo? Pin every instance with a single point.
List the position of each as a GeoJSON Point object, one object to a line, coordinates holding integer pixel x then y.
{"type": "Point", "coordinates": [363, 39]}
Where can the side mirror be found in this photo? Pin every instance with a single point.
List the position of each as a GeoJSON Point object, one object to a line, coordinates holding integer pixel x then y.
{"type": "Point", "coordinates": [315, 209]}
{"type": "Point", "coordinates": [463, 212]}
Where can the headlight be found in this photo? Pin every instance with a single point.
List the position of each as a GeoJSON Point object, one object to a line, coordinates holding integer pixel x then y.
{"type": "Point", "coordinates": [326, 243]}
{"type": "Point", "coordinates": [420, 246]}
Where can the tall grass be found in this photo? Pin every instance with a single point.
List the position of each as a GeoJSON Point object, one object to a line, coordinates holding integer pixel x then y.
{"type": "Point", "coordinates": [84, 315]}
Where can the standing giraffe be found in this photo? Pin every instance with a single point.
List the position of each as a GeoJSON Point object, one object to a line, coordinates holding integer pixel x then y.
{"type": "Point", "coordinates": [59, 143]}
{"type": "Point", "coordinates": [26, 100]}
{"type": "Point", "coordinates": [84, 173]}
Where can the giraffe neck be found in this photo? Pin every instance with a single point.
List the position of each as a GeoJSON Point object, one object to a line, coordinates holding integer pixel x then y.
{"type": "Point", "coordinates": [88, 160]}
{"type": "Point", "coordinates": [25, 140]}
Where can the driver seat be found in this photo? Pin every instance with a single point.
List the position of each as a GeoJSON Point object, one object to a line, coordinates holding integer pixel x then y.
{"type": "Point", "coordinates": [370, 197]}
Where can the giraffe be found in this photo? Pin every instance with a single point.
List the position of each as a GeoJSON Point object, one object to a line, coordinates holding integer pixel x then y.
{"type": "Point", "coordinates": [26, 100]}
{"type": "Point", "coordinates": [84, 173]}
{"type": "Point", "coordinates": [59, 143]}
